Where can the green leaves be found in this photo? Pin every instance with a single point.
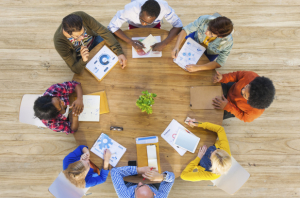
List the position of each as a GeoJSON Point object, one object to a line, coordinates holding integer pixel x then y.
{"type": "Point", "coordinates": [146, 101]}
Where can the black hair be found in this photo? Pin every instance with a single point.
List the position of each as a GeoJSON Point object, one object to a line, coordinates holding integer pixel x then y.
{"type": "Point", "coordinates": [72, 23]}
{"type": "Point", "coordinates": [152, 8]}
{"type": "Point", "coordinates": [262, 92]}
{"type": "Point", "coordinates": [44, 108]}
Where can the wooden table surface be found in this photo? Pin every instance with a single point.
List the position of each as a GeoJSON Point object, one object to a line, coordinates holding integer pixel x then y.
{"type": "Point", "coordinates": [123, 87]}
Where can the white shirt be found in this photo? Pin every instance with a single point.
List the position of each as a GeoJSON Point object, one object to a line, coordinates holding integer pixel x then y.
{"type": "Point", "coordinates": [132, 11]}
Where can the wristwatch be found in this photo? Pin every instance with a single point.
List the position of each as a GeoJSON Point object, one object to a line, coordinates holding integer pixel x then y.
{"type": "Point", "coordinates": [165, 176]}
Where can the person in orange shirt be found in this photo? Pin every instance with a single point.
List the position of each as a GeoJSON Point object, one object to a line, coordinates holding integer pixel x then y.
{"type": "Point", "coordinates": [245, 95]}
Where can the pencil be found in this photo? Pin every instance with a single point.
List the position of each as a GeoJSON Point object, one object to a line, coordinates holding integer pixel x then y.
{"type": "Point", "coordinates": [150, 170]}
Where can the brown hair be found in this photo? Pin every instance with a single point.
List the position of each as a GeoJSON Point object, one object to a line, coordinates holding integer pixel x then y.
{"type": "Point", "coordinates": [76, 173]}
{"type": "Point", "coordinates": [221, 26]}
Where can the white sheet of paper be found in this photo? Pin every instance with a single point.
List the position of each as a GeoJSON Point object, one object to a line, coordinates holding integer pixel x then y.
{"type": "Point", "coordinates": [190, 53]}
{"type": "Point", "coordinates": [152, 158]}
{"type": "Point", "coordinates": [148, 42]}
{"type": "Point", "coordinates": [105, 142]}
{"type": "Point", "coordinates": [102, 62]}
{"type": "Point", "coordinates": [170, 134]}
{"type": "Point", "coordinates": [142, 53]}
{"type": "Point", "coordinates": [91, 109]}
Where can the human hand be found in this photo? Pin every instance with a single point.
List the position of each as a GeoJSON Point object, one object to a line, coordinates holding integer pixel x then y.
{"type": "Point", "coordinates": [217, 77]}
{"type": "Point", "coordinates": [175, 52]}
{"type": "Point", "coordinates": [107, 155]}
{"type": "Point", "coordinates": [220, 102]}
{"type": "Point", "coordinates": [85, 156]}
{"type": "Point", "coordinates": [192, 68]}
{"type": "Point", "coordinates": [137, 44]}
{"type": "Point", "coordinates": [191, 124]}
{"type": "Point", "coordinates": [123, 60]}
{"type": "Point", "coordinates": [84, 51]}
{"type": "Point", "coordinates": [77, 106]}
{"type": "Point", "coordinates": [158, 47]}
{"type": "Point", "coordinates": [143, 170]}
{"type": "Point", "coordinates": [202, 151]}
{"type": "Point", "coordinates": [153, 176]}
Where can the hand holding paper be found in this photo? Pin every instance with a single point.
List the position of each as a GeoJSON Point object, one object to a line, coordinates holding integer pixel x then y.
{"type": "Point", "coordinates": [148, 42]}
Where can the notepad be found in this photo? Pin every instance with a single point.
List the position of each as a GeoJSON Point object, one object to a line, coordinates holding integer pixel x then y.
{"type": "Point", "coordinates": [152, 158]}
{"type": "Point", "coordinates": [91, 109]}
{"type": "Point", "coordinates": [186, 140]}
{"type": "Point", "coordinates": [190, 53]}
{"type": "Point", "coordinates": [148, 42]}
{"type": "Point", "coordinates": [100, 65]}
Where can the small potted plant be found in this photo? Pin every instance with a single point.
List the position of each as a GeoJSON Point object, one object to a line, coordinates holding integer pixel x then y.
{"type": "Point", "coordinates": [146, 101]}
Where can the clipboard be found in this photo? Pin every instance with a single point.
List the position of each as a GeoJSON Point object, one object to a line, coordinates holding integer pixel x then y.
{"type": "Point", "coordinates": [142, 159]}
{"type": "Point", "coordinates": [201, 97]}
{"type": "Point", "coordinates": [103, 102]}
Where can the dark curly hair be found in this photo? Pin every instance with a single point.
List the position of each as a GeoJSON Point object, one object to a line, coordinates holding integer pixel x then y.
{"type": "Point", "coordinates": [262, 92]}
{"type": "Point", "coordinates": [44, 108]}
{"type": "Point", "coordinates": [221, 26]}
{"type": "Point", "coordinates": [152, 8]}
{"type": "Point", "coordinates": [72, 23]}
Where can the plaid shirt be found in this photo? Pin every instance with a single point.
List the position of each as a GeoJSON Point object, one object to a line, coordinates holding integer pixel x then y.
{"type": "Point", "coordinates": [61, 90]}
{"type": "Point", "coordinates": [127, 190]}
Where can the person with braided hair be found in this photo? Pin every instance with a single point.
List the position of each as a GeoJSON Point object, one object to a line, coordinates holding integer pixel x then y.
{"type": "Point", "coordinates": [210, 162]}
{"type": "Point", "coordinates": [53, 107]}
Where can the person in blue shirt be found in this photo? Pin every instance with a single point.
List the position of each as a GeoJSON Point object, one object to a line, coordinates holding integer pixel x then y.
{"type": "Point", "coordinates": [78, 168]}
{"type": "Point", "coordinates": [140, 190]}
{"type": "Point", "coordinates": [213, 33]}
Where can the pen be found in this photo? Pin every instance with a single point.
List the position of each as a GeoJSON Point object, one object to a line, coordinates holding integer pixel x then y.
{"type": "Point", "coordinates": [82, 43]}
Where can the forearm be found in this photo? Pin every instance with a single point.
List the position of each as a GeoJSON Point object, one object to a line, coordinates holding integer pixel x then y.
{"type": "Point", "coordinates": [78, 90]}
{"type": "Point", "coordinates": [209, 66]}
{"type": "Point", "coordinates": [180, 38]}
{"type": "Point", "coordinates": [119, 33]}
{"type": "Point", "coordinates": [74, 122]}
{"type": "Point", "coordinates": [172, 34]}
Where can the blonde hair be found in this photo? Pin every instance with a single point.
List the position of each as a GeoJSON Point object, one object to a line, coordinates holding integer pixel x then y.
{"type": "Point", "coordinates": [221, 162]}
{"type": "Point", "coordinates": [76, 173]}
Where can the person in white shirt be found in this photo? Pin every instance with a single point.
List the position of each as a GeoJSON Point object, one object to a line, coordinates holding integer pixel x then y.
{"type": "Point", "coordinates": [148, 14]}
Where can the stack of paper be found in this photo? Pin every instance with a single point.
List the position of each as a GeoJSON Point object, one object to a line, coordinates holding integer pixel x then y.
{"type": "Point", "coordinates": [152, 158]}
{"type": "Point", "coordinates": [189, 54]}
{"type": "Point", "coordinates": [141, 53]}
{"type": "Point", "coordinates": [91, 109]}
{"type": "Point", "coordinates": [148, 42]}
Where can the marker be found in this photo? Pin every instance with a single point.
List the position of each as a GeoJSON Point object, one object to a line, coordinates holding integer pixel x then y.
{"type": "Point", "coordinates": [150, 170]}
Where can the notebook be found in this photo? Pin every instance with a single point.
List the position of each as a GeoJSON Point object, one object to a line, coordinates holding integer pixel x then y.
{"type": "Point", "coordinates": [101, 64]}
{"type": "Point", "coordinates": [186, 140]}
{"type": "Point", "coordinates": [190, 53]}
{"type": "Point", "coordinates": [105, 142]}
{"type": "Point", "coordinates": [91, 109]}
{"type": "Point", "coordinates": [152, 158]}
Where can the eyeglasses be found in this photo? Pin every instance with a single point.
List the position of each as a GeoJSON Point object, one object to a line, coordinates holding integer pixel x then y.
{"type": "Point", "coordinates": [113, 128]}
{"type": "Point", "coordinates": [210, 32]}
{"type": "Point", "coordinates": [140, 186]}
{"type": "Point", "coordinates": [145, 21]}
{"type": "Point", "coordinates": [80, 35]}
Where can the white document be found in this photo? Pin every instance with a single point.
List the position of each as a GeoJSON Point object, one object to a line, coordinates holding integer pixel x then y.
{"type": "Point", "coordinates": [141, 54]}
{"type": "Point", "coordinates": [148, 42]}
{"type": "Point", "coordinates": [147, 140]}
{"type": "Point", "coordinates": [152, 158]}
{"type": "Point", "coordinates": [102, 62]}
{"type": "Point", "coordinates": [186, 140]}
{"type": "Point", "coordinates": [91, 109]}
{"type": "Point", "coordinates": [190, 53]}
{"type": "Point", "coordinates": [105, 142]}
{"type": "Point", "coordinates": [170, 134]}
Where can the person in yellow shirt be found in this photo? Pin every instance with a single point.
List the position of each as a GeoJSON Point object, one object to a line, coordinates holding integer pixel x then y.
{"type": "Point", "coordinates": [210, 162]}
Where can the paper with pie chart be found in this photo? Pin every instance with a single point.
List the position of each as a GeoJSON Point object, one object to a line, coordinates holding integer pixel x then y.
{"type": "Point", "coordinates": [190, 53]}
{"type": "Point", "coordinates": [102, 63]}
{"type": "Point", "coordinates": [141, 53]}
{"type": "Point", "coordinates": [105, 142]}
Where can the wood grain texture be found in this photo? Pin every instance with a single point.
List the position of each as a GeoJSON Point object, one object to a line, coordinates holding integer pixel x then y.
{"type": "Point", "coordinates": [266, 41]}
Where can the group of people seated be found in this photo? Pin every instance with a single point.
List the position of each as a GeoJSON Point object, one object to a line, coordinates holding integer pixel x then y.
{"type": "Point", "coordinates": [245, 94]}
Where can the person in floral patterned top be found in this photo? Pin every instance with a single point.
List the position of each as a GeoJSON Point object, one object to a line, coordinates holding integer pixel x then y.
{"type": "Point", "coordinates": [53, 107]}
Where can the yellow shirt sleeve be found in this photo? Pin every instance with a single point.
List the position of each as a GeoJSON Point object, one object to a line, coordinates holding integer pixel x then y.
{"type": "Point", "coordinates": [222, 143]}
{"type": "Point", "coordinates": [188, 174]}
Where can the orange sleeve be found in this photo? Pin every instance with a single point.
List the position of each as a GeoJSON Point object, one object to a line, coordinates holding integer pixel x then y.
{"type": "Point", "coordinates": [246, 116]}
{"type": "Point", "coordinates": [233, 77]}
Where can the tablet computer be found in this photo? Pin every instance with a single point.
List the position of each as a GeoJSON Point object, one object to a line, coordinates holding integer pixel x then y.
{"type": "Point", "coordinates": [186, 140]}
